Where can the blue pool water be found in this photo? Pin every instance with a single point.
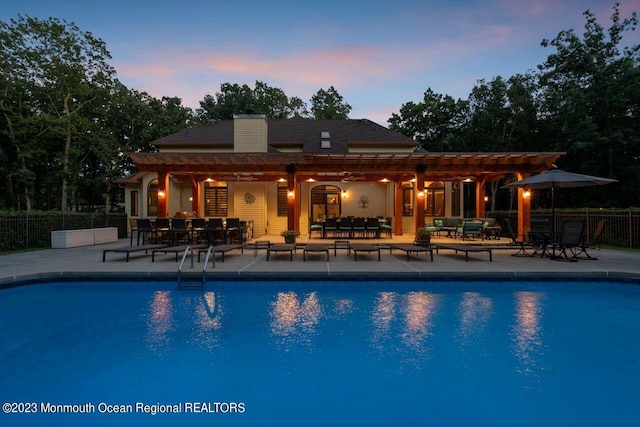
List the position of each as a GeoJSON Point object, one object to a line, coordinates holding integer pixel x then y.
{"type": "Point", "coordinates": [322, 353]}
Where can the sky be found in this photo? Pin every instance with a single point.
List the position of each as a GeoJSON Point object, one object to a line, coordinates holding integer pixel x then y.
{"type": "Point", "coordinates": [378, 55]}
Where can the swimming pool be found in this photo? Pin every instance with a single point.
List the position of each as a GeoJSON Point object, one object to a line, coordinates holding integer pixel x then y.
{"type": "Point", "coordinates": [321, 353]}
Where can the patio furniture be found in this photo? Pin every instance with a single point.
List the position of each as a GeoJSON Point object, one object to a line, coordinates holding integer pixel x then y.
{"type": "Point", "coordinates": [259, 245]}
{"type": "Point", "coordinates": [592, 242]}
{"type": "Point", "coordinates": [540, 236]}
{"type": "Point", "coordinates": [133, 223]}
{"type": "Point", "coordinates": [470, 229]}
{"type": "Point", "coordinates": [131, 249]}
{"type": "Point", "coordinates": [233, 231]}
{"type": "Point", "coordinates": [466, 249]}
{"type": "Point", "coordinates": [223, 249]}
{"type": "Point", "coordinates": [363, 247]}
{"type": "Point", "coordinates": [385, 227]}
{"type": "Point", "coordinates": [199, 230]}
{"type": "Point", "coordinates": [341, 244]}
{"type": "Point", "coordinates": [409, 249]}
{"type": "Point", "coordinates": [570, 239]}
{"type": "Point", "coordinates": [179, 232]}
{"type": "Point", "coordinates": [518, 241]}
{"type": "Point", "coordinates": [286, 247]}
{"type": "Point", "coordinates": [436, 227]}
{"type": "Point", "coordinates": [315, 227]}
{"type": "Point", "coordinates": [163, 230]}
{"type": "Point", "coordinates": [346, 227]}
{"type": "Point", "coordinates": [174, 249]}
{"type": "Point", "coordinates": [373, 227]}
{"type": "Point", "coordinates": [315, 247]}
{"type": "Point", "coordinates": [145, 228]}
{"type": "Point", "coordinates": [330, 226]}
{"type": "Point", "coordinates": [215, 231]}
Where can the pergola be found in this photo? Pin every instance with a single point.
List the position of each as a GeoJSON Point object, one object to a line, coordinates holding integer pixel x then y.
{"type": "Point", "coordinates": [390, 167]}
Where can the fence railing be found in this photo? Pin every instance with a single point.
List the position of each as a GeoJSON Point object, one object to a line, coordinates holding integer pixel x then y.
{"type": "Point", "coordinates": [622, 228]}
{"type": "Point", "coordinates": [24, 231]}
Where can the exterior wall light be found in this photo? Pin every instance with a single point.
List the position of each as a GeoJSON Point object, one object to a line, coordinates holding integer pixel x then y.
{"type": "Point", "coordinates": [421, 194]}
{"type": "Point", "coordinates": [526, 194]}
{"type": "Point", "coordinates": [161, 193]}
{"type": "Point", "coordinates": [290, 194]}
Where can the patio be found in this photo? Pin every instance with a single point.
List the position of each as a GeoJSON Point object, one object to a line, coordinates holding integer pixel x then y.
{"type": "Point", "coordinates": [88, 261]}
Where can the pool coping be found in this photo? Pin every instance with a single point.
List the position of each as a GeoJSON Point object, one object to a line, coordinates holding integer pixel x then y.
{"type": "Point", "coordinates": [57, 277]}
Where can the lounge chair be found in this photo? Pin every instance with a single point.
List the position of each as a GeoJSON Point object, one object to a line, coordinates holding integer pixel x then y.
{"type": "Point", "coordinates": [466, 249]}
{"type": "Point", "coordinates": [570, 239]}
{"type": "Point", "coordinates": [593, 242]}
{"type": "Point", "coordinates": [517, 240]}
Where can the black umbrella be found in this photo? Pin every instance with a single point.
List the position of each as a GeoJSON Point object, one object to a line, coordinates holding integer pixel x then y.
{"type": "Point", "coordinates": [558, 178]}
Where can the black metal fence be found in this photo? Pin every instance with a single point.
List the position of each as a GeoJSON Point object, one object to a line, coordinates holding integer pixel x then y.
{"type": "Point", "coordinates": [24, 231]}
{"type": "Point", "coordinates": [622, 228]}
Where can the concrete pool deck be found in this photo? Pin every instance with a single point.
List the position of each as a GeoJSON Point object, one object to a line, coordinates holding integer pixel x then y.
{"type": "Point", "coordinates": [87, 261]}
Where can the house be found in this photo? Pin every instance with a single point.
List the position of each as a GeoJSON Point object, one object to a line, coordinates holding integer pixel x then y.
{"type": "Point", "coordinates": [286, 174]}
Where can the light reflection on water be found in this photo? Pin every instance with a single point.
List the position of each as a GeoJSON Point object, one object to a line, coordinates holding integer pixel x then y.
{"type": "Point", "coordinates": [161, 321]}
{"type": "Point", "coordinates": [205, 310]}
{"type": "Point", "coordinates": [475, 312]}
{"type": "Point", "coordinates": [527, 330]}
{"type": "Point", "coordinates": [294, 318]}
{"type": "Point", "coordinates": [418, 311]}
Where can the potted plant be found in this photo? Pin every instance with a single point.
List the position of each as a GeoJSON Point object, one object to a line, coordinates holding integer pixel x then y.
{"type": "Point", "coordinates": [290, 236]}
{"type": "Point", "coordinates": [423, 237]}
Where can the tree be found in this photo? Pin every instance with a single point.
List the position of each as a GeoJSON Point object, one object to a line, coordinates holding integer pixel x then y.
{"type": "Point", "coordinates": [263, 99]}
{"type": "Point", "coordinates": [435, 123]}
{"type": "Point", "coordinates": [62, 70]}
{"type": "Point", "coordinates": [329, 104]}
{"type": "Point", "coordinates": [591, 98]}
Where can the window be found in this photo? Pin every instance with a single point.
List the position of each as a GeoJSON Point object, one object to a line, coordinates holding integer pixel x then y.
{"type": "Point", "coordinates": [407, 200]}
{"type": "Point", "coordinates": [134, 203]}
{"type": "Point", "coordinates": [216, 200]}
{"type": "Point", "coordinates": [282, 199]}
{"type": "Point", "coordinates": [435, 199]}
{"type": "Point", "coordinates": [326, 202]}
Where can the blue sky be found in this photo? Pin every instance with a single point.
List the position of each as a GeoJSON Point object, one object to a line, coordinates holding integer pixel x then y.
{"type": "Point", "coordinates": [377, 54]}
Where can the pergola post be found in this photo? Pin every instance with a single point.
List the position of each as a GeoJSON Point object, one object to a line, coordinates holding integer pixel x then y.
{"type": "Point", "coordinates": [291, 198]}
{"type": "Point", "coordinates": [163, 194]}
{"type": "Point", "coordinates": [524, 208]}
{"type": "Point", "coordinates": [481, 208]}
{"type": "Point", "coordinates": [195, 196]}
{"type": "Point", "coordinates": [398, 207]}
{"type": "Point", "coordinates": [419, 195]}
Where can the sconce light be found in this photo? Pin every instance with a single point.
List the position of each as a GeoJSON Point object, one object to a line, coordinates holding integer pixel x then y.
{"type": "Point", "coordinates": [282, 180]}
{"type": "Point", "coordinates": [526, 194]}
{"type": "Point", "coordinates": [161, 193]}
{"type": "Point", "coordinates": [191, 198]}
{"type": "Point", "coordinates": [311, 180]}
{"type": "Point", "coordinates": [290, 194]}
{"type": "Point", "coordinates": [486, 198]}
{"type": "Point", "coordinates": [344, 194]}
{"type": "Point", "coordinates": [421, 194]}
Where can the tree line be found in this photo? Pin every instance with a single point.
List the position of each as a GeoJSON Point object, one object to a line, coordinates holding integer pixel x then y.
{"type": "Point", "coordinates": [68, 122]}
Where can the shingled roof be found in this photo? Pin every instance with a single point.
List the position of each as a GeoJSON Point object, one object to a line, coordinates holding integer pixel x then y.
{"type": "Point", "coordinates": [297, 130]}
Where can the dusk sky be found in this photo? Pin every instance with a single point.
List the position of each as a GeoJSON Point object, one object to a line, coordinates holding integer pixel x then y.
{"type": "Point", "coordinates": [377, 54]}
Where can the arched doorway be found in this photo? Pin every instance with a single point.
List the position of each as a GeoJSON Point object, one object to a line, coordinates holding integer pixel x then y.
{"type": "Point", "coordinates": [152, 198]}
{"type": "Point", "coordinates": [326, 202]}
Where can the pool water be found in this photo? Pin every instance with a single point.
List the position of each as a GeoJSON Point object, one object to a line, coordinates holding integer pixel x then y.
{"type": "Point", "coordinates": [323, 353]}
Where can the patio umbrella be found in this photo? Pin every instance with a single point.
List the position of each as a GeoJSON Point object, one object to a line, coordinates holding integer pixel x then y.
{"type": "Point", "coordinates": [558, 178]}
